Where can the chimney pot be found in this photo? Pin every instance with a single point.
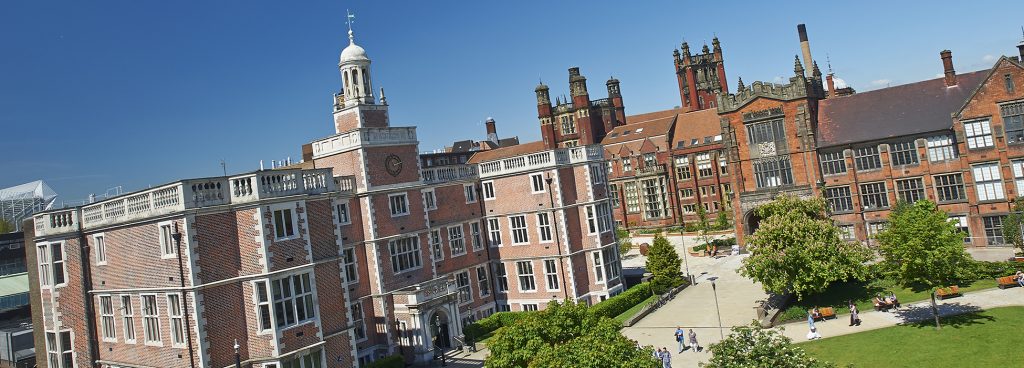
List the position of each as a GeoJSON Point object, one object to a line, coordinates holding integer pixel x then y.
{"type": "Point", "coordinates": [831, 85]}
{"type": "Point", "coordinates": [947, 66]}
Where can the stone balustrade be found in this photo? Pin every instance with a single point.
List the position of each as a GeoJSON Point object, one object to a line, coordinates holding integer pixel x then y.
{"type": "Point", "coordinates": [443, 174]}
{"type": "Point", "coordinates": [541, 160]}
{"type": "Point", "coordinates": [191, 194]}
{"type": "Point", "coordinates": [363, 137]}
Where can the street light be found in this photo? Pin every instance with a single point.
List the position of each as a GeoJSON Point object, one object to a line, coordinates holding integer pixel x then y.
{"type": "Point", "coordinates": [238, 358]}
{"type": "Point", "coordinates": [685, 262]}
{"type": "Point", "coordinates": [714, 288]}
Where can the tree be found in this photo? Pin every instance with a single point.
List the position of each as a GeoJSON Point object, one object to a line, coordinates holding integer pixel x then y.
{"type": "Point", "coordinates": [704, 227]}
{"type": "Point", "coordinates": [565, 335]}
{"type": "Point", "coordinates": [624, 242]}
{"type": "Point", "coordinates": [923, 250]}
{"type": "Point", "coordinates": [663, 263]}
{"type": "Point", "coordinates": [6, 226]}
{"type": "Point", "coordinates": [796, 248]}
{"type": "Point", "coordinates": [753, 347]}
{"type": "Point", "coordinates": [1013, 225]}
{"type": "Point", "coordinates": [722, 221]}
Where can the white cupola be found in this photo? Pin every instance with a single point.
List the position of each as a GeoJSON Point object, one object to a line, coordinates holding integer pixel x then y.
{"type": "Point", "coordinates": [354, 66]}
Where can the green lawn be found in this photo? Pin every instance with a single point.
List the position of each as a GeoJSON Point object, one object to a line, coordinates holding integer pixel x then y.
{"type": "Point", "coordinates": [989, 338]}
{"type": "Point", "coordinates": [861, 292]}
{"type": "Point", "coordinates": [636, 308]}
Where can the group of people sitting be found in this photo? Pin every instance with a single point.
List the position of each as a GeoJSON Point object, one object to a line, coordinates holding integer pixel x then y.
{"type": "Point", "coordinates": [884, 303]}
{"type": "Point", "coordinates": [1020, 278]}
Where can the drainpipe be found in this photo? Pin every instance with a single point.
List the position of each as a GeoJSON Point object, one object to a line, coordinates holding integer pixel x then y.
{"type": "Point", "coordinates": [558, 241]}
{"type": "Point", "coordinates": [184, 305]}
{"type": "Point", "coordinates": [487, 247]}
{"type": "Point", "coordinates": [90, 309]}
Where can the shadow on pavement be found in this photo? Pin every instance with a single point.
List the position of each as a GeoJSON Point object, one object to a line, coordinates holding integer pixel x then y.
{"type": "Point", "coordinates": [951, 314]}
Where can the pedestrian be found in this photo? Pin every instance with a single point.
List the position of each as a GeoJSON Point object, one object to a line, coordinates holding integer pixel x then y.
{"type": "Point", "coordinates": [1020, 278]}
{"type": "Point", "coordinates": [679, 338]}
{"type": "Point", "coordinates": [666, 358]}
{"type": "Point", "coordinates": [657, 355]}
{"type": "Point", "coordinates": [810, 320]}
{"type": "Point", "coordinates": [854, 315]}
{"type": "Point", "coordinates": [813, 334]}
{"type": "Point", "coordinates": [693, 341]}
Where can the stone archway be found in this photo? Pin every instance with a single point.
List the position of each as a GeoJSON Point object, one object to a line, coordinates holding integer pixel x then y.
{"type": "Point", "coordinates": [439, 325]}
{"type": "Point", "coordinates": [752, 221]}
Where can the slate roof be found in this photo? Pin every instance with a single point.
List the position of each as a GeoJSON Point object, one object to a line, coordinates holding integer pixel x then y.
{"type": "Point", "coordinates": [895, 111]}
{"type": "Point", "coordinates": [504, 152]}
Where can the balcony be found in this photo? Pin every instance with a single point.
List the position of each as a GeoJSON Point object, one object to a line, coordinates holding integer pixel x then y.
{"type": "Point", "coordinates": [192, 194]}
{"type": "Point", "coordinates": [541, 160]}
{"type": "Point", "coordinates": [651, 170]}
{"type": "Point", "coordinates": [363, 137]}
{"type": "Point", "coordinates": [427, 291]}
{"type": "Point", "coordinates": [444, 174]}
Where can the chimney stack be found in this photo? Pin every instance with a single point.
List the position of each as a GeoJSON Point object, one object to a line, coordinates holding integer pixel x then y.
{"type": "Point", "coordinates": [831, 86]}
{"type": "Point", "coordinates": [492, 131]}
{"type": "Point", "coordinates": [805, 46]}
{"type": "Point", "coordinates": [947, 66]}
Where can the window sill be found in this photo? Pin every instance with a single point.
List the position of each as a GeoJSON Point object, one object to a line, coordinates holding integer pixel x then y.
{"type": "Point", "coordinates": [992, 201]}
{"type": "Point", "coordinates": [869, 170]}
{"type": "Point", "coordinates": [293, 237]}
{"type": "Point", "coordinates": [300, 324]}
{"type": "Point", "coordinates": [978, 149]}
{"type": "Point", "coordinates": [396, 273]}
{"type": "Point", "coordinates": [875, 209]}
{"type": "Point", "coordinates": [955, 201]}
{"type": "Point", "coordinates": [399, 215]}
{"type": "Point", "coordinates": [846, 212]}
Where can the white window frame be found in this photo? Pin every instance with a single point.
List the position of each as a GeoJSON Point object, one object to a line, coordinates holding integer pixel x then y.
{"type": "Point", "coordinates": [978, 134]}
{"type": "Point", "coordinates": [941, 148]}
{"type": "Point", "coordinates": [344, 213]}
{"type": "Point", "coordinates": [599, 275]}
{"type": "Point", "coordinates": [537, 184]}
{"type": "Point", "coordinates": [465, 291]}
{"type": "Point", "coordinates": [128, 318]}
{"type": "Point", "coordinates": [411, 250]}
{"type": "Point", "coordinates": [392, 204]}
{"type": "Point", "coordinates": [501, 277]}
{"type": "Point", "coordinates": [289, 304]}
{"type": "Point", "coordinates": [177, 322]}
{"type": "Point", "coordinates": [488, 190]}
{"type": "Point", "coordinates": [521, 275]}
{"type": "Point", "coordinates": [474, 229]}
{"type": "Point", "coordinates": [108, 330]}
{"type": "Point", "coordinates": [469, 190]}
{"type": "Point", "coordinates": [483, 281]}
{"type": "Point", "coordinates": [55, 349]}
{"type": "Point", "coordinates": [350, 264]}
{"type": "Point", "coordinates": [456, 240]}
{"type": "Point", "coordinates": [436, 249]}
{"type": "Point", "coordinates": [287, 214]}
{"type": "Point", "coordinates": [988, 181]}
{"type": "Point", "coordinates": [359, 324]}
{"type": "Point", "coordinates": [544, 228]}
{"type": "Point", "coordinates": [1017, 169]}
{"type": "Point", "coordinates": [429, 199]}
{"type": "Point", "coordinates": [99, 242]}
{"type": "Point", "coordinates": [264, 303]}
{"type": "Point", "coordinates": [521, 234]}
{"type": "Point", "coordinates": [529, 307]}
{"type": "Point", "coordinates": [164, 231]}
{"type": "Point", "coordinates": [494, 232]}
{"type": "Point", "coordinates": [551, 280]}
{"type": "Point", "coordinates": [591, 214]}
{"type": "Point", "coordinates": [148, 317]}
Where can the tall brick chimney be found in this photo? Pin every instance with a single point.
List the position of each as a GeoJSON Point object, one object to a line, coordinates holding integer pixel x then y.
{"type": "Point", "coordinates": [947, 66]}
{"type": "Point", "coordinates": [805, 46]}
{"type": "Point", "coordinates": [492, 131]}
{"type": "Point", "coordinates": [831, 85]}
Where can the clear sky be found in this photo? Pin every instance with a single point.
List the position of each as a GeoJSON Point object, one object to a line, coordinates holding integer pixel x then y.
{"type": "Point", "coordinates": [136, 93]}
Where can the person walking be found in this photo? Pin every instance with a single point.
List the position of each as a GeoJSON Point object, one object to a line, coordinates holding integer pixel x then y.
{"type": "Point", "coordinates": [657, 355]}
{"type": "Point", "coordinates": [854, 315]}
{"type": "Point", "coordinates": [666, 358]}
{"type": "Point", "coordinates": [693, 341]}
{"type": "Point", "coordinates": [680, 340]}
{"type": "Point", "coordinates": [810, 320]}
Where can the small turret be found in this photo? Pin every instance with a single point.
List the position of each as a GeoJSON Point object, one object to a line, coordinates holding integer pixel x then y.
{"type": "Point", "coordinates": [740, 87]}
{"type": "Point", "coordinates": [798, 68]}
{"type": "Point", "coordinates": [816, 73]}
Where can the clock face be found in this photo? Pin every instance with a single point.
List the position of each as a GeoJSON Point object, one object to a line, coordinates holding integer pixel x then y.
{"type": "Point", "coordinates": [393, 165]}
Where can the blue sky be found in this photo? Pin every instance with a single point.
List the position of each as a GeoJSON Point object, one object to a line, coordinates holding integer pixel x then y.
{"type": "Point", "coordinates": [137, 93]}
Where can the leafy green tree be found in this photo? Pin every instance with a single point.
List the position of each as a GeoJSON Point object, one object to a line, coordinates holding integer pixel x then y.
{"type": "Point", "coordinates": [722, 221]}
{"type": "Point", "coordinates": [704, 227]}
{"type": "Point", "coordinates": [753, 347]}
{"type": "Point", "coordinates": [663, 263]}
{"type": "Point", "coordinates": [565, 335]}
{"type": "Point", "coordinates": [1013, 225]}
{"type": "Point", "coordinates": [796, 248]}
{"type": "Point", "coordinates": [6, 226]}
{"type": "Point", "coordinates": [624, 242]}
{"type": "Point", "coordinates": [923, 250]}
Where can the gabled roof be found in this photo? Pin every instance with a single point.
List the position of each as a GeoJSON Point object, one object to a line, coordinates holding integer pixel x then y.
{"type": "Point", "coordinates": [640, 130]}
{"type": "Point", "coordinates": [697, 125]}
{"type": "Point", "coordinates": [640, 118]}
{"type": "Point", "coordinates": [967, 101]}
{"type": "Point", "coordinates": [504, 152]}
{"type": "Point", "coordinates": [895, 111]}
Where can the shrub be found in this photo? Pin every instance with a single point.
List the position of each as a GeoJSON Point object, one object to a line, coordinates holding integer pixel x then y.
{"type": "Point", "coordinates": [995, 269]}
{"type": "Point", "coordinates": [618, 304]}
{"type": "Point", "coordinates": [625, 246]}
{"type": "Point", "coordinates": [476, 330]}
{"type": "Point", "coordinates": [394, 361]}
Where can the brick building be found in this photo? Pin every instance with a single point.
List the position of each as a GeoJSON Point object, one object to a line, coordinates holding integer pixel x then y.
{"type": "Point", "coordinates": [365, 249]}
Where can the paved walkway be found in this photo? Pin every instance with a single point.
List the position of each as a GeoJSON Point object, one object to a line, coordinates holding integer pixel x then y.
{"type": "Point", "coordinates": [694, 307]}
{"type": "Point", "coordinates": [918, 311]}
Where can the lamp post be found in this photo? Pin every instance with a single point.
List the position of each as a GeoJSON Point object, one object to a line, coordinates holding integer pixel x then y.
{"type": "Point", "coordinates": [717, 310]}
{"type": "Point", "coordinates": [437, 346]}
{"type": "Point", "coordinates": [238, 358]}
{"type": "Point", "coordinates": [685, 261]}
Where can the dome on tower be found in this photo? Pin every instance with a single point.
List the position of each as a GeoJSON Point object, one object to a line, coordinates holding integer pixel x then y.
{"type": "Point", "coordinates": [353, 52]}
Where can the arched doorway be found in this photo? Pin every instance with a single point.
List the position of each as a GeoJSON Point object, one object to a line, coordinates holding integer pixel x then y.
{"type": "Point", "coordinates": [752, 221]}
{"type": "Point", "coordinates": [440, 330]}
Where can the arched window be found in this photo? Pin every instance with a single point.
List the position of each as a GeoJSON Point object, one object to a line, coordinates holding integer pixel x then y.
{"type": "Point", "coordinates": [366, 81]}
{"type": "Point", "coordinates": [355, 78]}
{"type": "Point", "coordinates": [344, 86]}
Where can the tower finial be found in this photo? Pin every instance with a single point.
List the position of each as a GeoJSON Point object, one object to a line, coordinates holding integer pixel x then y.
{"type": "Point", "coordinates": [798, 68]}
{"type": "Point", "coordinates": [829, 62]}
{"type": "Point", "coordinates": [351, 18]}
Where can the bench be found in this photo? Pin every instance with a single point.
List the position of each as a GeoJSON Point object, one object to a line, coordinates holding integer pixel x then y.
{"type": "Point", "coordinates": [949, 292]}
{"type": "Point", "coordinates": [826, 313]}
{"type": "Point", "coordinates": [1008, 281]}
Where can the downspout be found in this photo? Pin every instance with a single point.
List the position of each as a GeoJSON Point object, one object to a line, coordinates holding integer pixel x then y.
{"type": "Point", "coordinates": [184, 306]}
{"type": "Point", "coordinates": [90, 309]}
{"type": "Point", "coordinates": [487, 247]}
{"type": "Point", "coordinates": [558, 241]}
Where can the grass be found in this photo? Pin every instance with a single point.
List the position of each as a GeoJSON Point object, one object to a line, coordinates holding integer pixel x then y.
{"type": "Point", "coordinates": [861, 292]}
{"type": "Point", "coordinates": [635, 309]}
{"type": "Point", "coordinates": [989, 338]}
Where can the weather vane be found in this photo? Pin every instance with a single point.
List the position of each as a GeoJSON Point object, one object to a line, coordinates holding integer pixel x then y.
{"type": "Point", "coordinates": [351, 19]}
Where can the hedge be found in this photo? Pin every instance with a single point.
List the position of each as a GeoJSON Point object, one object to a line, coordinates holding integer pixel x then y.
{"type": "Point", "coordinates": [618, 304]}
{"type": "Point", "coordinates": [394, 361]}
{"type": "Point", "coordinates": [476, 330]}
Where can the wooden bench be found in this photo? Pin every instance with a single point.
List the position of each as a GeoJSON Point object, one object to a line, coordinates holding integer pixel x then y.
{"type": "Point", "coordinates": [1008, 281]}
{"type": "Point", "coordinates": [949, 292]}
{"type": "Point", "coordinates": [826, 313]}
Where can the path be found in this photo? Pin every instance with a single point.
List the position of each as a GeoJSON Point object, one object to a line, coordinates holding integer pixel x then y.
{"type": "Point", "coordinates": [917, 311]}
{"type": "Point", "coordinates": [694, 307]}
